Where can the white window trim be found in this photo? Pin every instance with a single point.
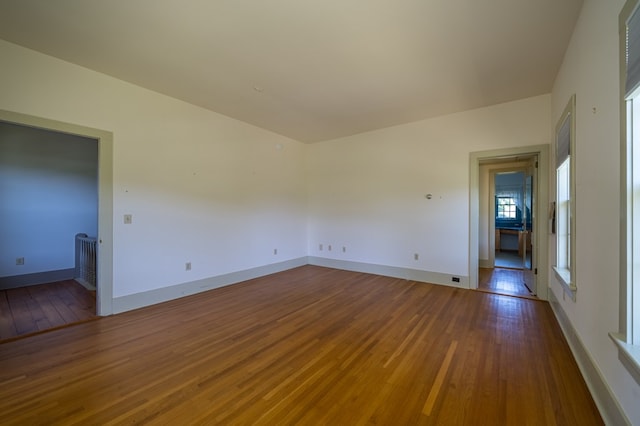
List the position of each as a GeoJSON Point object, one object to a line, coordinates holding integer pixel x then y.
{"type": "Point", "coordinates": [567, 276]}
{"type": "Point", "coordinates": [628, 352]}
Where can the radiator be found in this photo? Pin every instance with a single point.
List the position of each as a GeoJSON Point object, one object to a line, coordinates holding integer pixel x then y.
{"type": "Point", "coordinates": [86, 261]}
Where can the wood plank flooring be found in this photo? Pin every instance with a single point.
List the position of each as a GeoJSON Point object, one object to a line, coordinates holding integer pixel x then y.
{"type": "Point", "coordinates": [33, 309]}
{"type": "Point", "coordinates": [309, 346]}
{"type": "Point", "coordinates": [503, 281]}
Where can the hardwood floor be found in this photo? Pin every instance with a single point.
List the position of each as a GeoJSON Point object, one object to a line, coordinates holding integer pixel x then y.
{"type": "Point", "coordinates": [306, 346]}
{"type": "Point", "coordinates": [33, 309]}
{"type": "Point", "coordinates": [505, 281]}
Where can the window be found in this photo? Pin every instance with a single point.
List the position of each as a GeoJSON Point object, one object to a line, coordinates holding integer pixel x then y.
{"type": "Point", "coordinates": [633, 212]}
{"type": "Point", "coordinates": [565, 199]}
{"type": "Point", "coordinates": [506, 208]}
{"type": "Point", "coordinates": [628, 336]}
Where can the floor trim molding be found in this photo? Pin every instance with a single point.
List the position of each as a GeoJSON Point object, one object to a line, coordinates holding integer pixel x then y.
{"type": "Point", "coordinates": [610, 409]}
{"type": "Point", "coordinates": [152, 297]}
{"type": "Point", "coordinates": [392, 271]}
{"type": "Point", "coordinates": [147, 298]}
{"type": "Point", "coordinates": [36, 278]}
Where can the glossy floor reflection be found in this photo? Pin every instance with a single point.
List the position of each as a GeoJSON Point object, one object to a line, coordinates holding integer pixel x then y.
{"type": "Point", "coordinates": [503, 281]}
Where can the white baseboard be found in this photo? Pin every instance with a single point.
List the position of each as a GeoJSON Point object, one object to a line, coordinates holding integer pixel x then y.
{"type": "Point", "coordinates": [608, 405]}
{"type": "Point", "coordinates": [85, 284]}
{"type": "Point", "coordinates": [26, 280]}
{"type": "Point", "coordinates": [392, 271]}
{"type": "Point", "coordinates": [147, 298]}
{"type": "Point", "coordinates": [485, 263]}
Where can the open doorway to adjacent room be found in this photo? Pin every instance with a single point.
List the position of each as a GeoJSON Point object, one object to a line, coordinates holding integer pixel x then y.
{"type": "Point", "coordinates": [509, 266]}
{"type": "Point", "coordinates": [55, 180]}
{"type": "Point", "coordinates": [49, 194]}
{"type": "Point", "coordinates": [506, 217]}
{"type": "Point", "coordinates": [513, 198]}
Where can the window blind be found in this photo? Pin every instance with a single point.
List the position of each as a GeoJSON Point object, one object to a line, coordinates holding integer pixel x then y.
{"type": "Point", "coordinates": [563, 144]}
{"type": "Point", "coordinates": [633, 53]}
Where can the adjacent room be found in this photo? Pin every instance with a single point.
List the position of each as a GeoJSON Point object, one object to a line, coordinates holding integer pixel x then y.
{"type": "Point", "coordinates": [49, 206]}
{"type": "Point", "coordinates": [508, 192]}
{"type": "Point", "coordinates": [354, 212]}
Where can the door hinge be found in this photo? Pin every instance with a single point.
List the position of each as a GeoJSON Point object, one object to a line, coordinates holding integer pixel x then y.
{"type": "Point", "coordinates": [535, 271]}
{"type": "Point", "coordinates": [536, 164]}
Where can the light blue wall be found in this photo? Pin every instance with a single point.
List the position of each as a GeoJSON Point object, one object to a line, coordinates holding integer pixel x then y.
{"type": "Point", "coordinates": [48, 193]}
{"type": "Point", "coordinates": [509, 179]}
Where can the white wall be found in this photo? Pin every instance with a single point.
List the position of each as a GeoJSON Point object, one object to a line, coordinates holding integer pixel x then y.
{"type": "Point", "coordinates": [48, 194]}
{"type": "Point", "coordinates": [367, 192]}
{"type": "Point", "coordinates": [201, 187]}
{"type": "Point", "coordinates": [590, 70]}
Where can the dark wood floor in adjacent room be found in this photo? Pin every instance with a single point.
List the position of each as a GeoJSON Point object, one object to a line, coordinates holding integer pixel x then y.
{"type": "Point", "coordinates": [37, 308]}
{"type": "Point", "coordinates": [306, 346]}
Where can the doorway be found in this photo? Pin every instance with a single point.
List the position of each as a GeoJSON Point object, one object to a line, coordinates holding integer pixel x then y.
{"type": "Point", "coordinates": [104, 291]}
{"type": "Point", "coordinates": [511, 207]}
{"type": "Point", "coordinates": [510, 201]}
{"type": "Point", "coordinates": [507, 247]}
{"type": "Point", "coordinates": [513, 196]}
{"type": "Point", "coordinates": [49, 193]}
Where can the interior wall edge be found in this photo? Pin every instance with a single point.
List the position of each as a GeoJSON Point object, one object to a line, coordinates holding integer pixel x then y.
{"type": "Point", "coordinates": [607, 403]}
{"type": "Point", "coordinates": [25, 280]}
{"type": "Point", "coordinates": [392, 271]}
{"type": "Point", "coordinates": [165, 294]}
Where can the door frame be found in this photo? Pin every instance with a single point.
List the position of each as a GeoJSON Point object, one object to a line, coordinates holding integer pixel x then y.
{"type": "Point", "coordinates": [104, 290]}
{"type": "Point", "coordinates": [540, 234]}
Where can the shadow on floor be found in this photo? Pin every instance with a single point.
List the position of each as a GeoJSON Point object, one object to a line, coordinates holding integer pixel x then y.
{"type": "Point", "coordinates": [30, 310]}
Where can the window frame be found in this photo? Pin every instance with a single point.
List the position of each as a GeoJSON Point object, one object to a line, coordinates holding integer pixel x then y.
{"type": "Point", "coordinates": [509, 204]}
{"type": "Point", "coordinates": [628, 345]}
{"type": "Point", "coordinates": [565, 261]}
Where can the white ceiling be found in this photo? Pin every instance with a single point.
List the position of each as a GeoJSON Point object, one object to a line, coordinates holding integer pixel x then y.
{"type": "Point", "coordinates": [310, 70]}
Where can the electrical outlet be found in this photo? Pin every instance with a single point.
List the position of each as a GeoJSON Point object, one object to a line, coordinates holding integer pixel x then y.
{"type": "Point", "coordinates": [344, 249]}
{"type": "Point", "coordinates": [275, 251]}
{"type": "Point", "coordinates": [128, 219]}
{"type": "Point", "coordinates": [416, 256]}
{"type": "Point", "coordinates": [329, 247]}
{"type": "Point", "coordinates": [20, 261]}
{"type": "Point", "coordinates": [187, 266]}
{"type": "Point", "coordinates": [320, 247]}
{"type": "Point", "coordinates": [455, 279]}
